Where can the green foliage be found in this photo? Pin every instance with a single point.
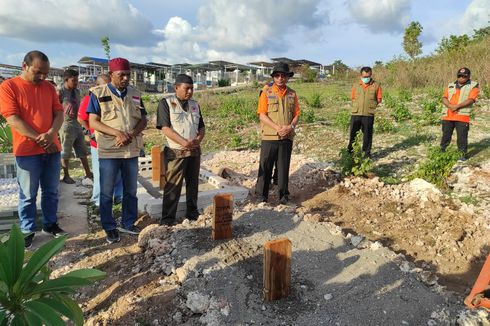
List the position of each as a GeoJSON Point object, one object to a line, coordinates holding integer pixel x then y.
{"type": "Point", "coordinates": [27, 294]}
{"type": "Point", "coordinates": [315, 101]}
{"type": "Point", "coordinates": [405, 95]}
{"type": "Point", "coordinates": [106, 45]}
{"type": "Point", "coordinates": [438, 165]}
{"type": "Point", "coordinates": [340, 67]}
{"type": "Point", "coordinates": [453, 43]}
{"type": "Point", "coordinates": [342, 119]}
{"type": "Point", "coordinates": [355, 163]}
{"type": "Point", "coordinates": [382, 125]}
{"type": "Point", "coordinates": [398, 105]}
{"type": "Point", "coordinates": [5, 136]}
{"type": "Point", "coordinates": [485, 90]}
{"type": "Point", "coordinates": [431, 111]}
{"type": "Point", "coordinates": [411, 43]}
{"type": "Point", "coordinates": [308, 116]}
{"type": "Point", "coordinates": [308, 75]}
{"type": "Point", "coordinates": [401, 112]}
{"type": "Point", "coordinates": [224, 82]}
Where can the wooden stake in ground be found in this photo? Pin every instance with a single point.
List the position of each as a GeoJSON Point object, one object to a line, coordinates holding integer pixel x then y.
{"type": "Point", "coordinates": [277, 269]}
{"type": "Point", "coordinates": [222, 216]}
{"type": "Point", "coordinates": [156, 153]}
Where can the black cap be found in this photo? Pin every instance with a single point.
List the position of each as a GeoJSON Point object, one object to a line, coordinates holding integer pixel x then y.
{"type": "Point", "coordinates": [282, 67]}
{"type": "Point", "coordinates": [183, 79]}
{"type": "Point", "coordinates": [464, 71]}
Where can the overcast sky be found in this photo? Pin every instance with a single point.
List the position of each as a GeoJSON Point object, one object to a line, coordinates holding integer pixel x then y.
{"type": "Point", "coordinates": [358, 32]}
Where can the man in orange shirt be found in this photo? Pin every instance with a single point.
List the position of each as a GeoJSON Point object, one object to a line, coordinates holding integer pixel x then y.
{"type": "Point", "coordinates": [366, 95]}
{"type": "Point", "coordinates": [32, 109]}
{"type": "Point", "coordinates": [279, 112]}
{"type": "Point", "coordinates": [458, 99]}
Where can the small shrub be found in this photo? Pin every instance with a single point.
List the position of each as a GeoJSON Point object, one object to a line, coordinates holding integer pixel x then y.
{"type": "Point", "coordinates": [382, 125]}
{"type": "Point", "coordinates": [431, 111]}
{"type": "Point", "coordinates": [5, 136]}
{"type": "Point", "coordinates": [438, 165]}
{"type": "Point", "coordinates": [486, 90]}
{"type": "Point", "coordinates": [308, 116]}
{"type": "Point", "coordinates": [355, 163]}
{"type": "Point", "coordinates": [389, 100]}
{"type": "Point", "coordinates": [236, 141]}
{"type": "Point", "coordinates": [315, 101]}
{"type": "Point", "coordinates": [401, 112]}
{"type": "Point", "coordinates": [342, 119]}
{"type": "Point", "coordinates": [405, 95]}
{"type": "Point", "coordinates": [224, 82]}
{"type": "Point", "coordinates": [27, 294]}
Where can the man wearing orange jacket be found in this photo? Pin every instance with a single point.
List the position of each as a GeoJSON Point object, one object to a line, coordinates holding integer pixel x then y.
{"type": "Point", "coordinates": [458, 100]}
{"type": "Point", "coordinates": [278, 110]}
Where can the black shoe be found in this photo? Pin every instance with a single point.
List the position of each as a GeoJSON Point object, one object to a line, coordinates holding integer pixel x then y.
{"type": "Point", "coordinates": [54, 230]}
{"type": "Point", "coordinates": [112, 236]}
{"type": "Point", "coordinates": [284, 200]}
{"type": "Point", "coordinates": [134, 230]}
{"type": "Point", "coordinates": [167, 221]}
{"type": "Point", "coordinates": [28, 237]}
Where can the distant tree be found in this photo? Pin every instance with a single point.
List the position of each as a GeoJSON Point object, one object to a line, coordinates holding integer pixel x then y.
{"type": "Point", "coordinates": [453, 43]}
{"type": "Point", "coordinates": [308, 75]}
{"type": "Point", "coordinates": [378, 64]}
{"type": "Point", "coordinates": [481, 33]}
{"type": "Point", "coordinates": [340, 67]}
{"type": "Point", "coordinates": [107, 46]}
{"type": "Point", "coordinates": [411, 43]}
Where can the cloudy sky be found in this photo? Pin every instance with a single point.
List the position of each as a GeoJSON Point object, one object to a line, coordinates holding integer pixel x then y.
{"type": "Point", "coordinates": [358, 32]}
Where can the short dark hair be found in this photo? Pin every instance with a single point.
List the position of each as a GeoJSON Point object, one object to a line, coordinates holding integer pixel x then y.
{"type": "Point", "coordinates": [366, 69]}
{"type": "Point", "coordinates": [68, 73]}
{"type": "Point", "coordinates": [31, 55]}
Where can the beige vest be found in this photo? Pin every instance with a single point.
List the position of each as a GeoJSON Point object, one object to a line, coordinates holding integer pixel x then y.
{"type": "Point", "coordinates": [365, 100]}
{"type": "Point", "coordinates": [463, 96]}
{"type": "Point", "coordinates": [186, 124]}
{"type": "Point", "coordinates": [279, 110]}
{"type": "Point", "coordinates": [119, 114]}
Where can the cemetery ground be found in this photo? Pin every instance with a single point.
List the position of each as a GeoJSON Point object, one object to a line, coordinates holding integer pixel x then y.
{"type": "Point", "coordinates": [389, 249]}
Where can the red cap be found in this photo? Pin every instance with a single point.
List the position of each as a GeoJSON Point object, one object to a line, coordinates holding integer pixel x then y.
{"type": "Point", "coordinates": [117, 64]}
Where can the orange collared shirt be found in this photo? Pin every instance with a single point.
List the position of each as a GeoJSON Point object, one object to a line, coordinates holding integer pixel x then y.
{"type": "Point", "coordinates": [379, 93]}
{"type": "Point", "coordinates": [453, 116]}
{"type": "Point", "coordinates": [262, 108]}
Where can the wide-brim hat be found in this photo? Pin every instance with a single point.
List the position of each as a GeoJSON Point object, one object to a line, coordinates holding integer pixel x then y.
{"type": "Point", "coordinates": [282, 67]}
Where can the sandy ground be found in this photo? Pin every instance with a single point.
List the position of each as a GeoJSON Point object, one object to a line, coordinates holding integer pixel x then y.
{"type": "Point", "coordinates": [358, 256]}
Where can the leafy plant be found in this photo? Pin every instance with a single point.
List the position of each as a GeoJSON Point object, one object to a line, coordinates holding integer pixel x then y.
{"type": "Point", "coordinates": [342, 119]}
{"type": "Point", "coordinates": [382, 124]}
{"type": "Point", "coordinates": [224, 82]}
{"type": "Point", "coordinates": [430, 111]}
{"type": "Point", "coordinates": [438, 165]}
{"type": "Point", "coordinates": [315, 101]}
{"type": "Point", "coordinates": [106, 45]}
{"type": "Point", "coordinates": [27, 295]}
{"type": "Point", "coordinates": [355, 163]}
{"type": "Point", "coordinates": [5, 136]}
{"type": "Point", "coordinates": [308, 116]}
{"type": "Point", "coordinates": [401, 112]}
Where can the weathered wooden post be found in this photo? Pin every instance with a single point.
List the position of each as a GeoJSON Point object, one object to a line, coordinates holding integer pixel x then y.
{"type": "Point", "coordinates": [277, 269]}
{"type": "Point", "coordinates": [222, 216]}
{"type": "Point", "coordinates": [156, 153]}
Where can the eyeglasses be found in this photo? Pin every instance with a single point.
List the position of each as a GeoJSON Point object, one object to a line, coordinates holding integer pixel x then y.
{"type": "Point", "coordinates": [462, 76]}
{"type": "Point", "coordinates": [280, 75]}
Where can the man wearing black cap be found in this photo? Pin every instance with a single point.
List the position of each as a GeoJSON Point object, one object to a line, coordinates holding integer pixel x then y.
{"type": "Point", "coordinates": [279, 112]}
{"type": "Point", "coordinates": [179, 117]}
{"type": "Point", "coordinates": [458, 99]}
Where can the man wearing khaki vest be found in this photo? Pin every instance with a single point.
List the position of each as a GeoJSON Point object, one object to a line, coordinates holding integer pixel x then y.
{"type": "Point", "coordinates": [365, 95]}
{"type": "Point", "coordinates": [458, 99]}
{"type": "Point", "coordinates": [117, 115]}
{"type": "Point", "coordinates": [279, 112]}
{"type": "Point", "coordinates": [179, 117]}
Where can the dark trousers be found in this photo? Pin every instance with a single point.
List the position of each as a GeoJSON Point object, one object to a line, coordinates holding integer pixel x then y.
{"type": "Point", "coordinates": [462, 129]}
{"type": "Point", "coordinates": [270, 152]}
{"type": "Point", "coordinates": [364, 123]}
{"type": "Point", "coordinates": [177, 170]}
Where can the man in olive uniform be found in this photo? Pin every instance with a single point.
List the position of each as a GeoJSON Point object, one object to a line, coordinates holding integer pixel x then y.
{"type": "Point", "coordinates": [179, 117]}
{"type": "Point", "coordinates": [117, 115]}
{"type": "Point", "coordinates": [279, 112]}
{"type": "Point", "coordinates": [458, 100]}
{"type": "Point", "coordinates": [365, 95]}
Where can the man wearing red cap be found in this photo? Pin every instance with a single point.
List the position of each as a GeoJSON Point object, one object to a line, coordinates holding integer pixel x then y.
{"type": "Point", "coordinates": [458, 100]}
{"type": "Point", "coordinates": [117, 115]}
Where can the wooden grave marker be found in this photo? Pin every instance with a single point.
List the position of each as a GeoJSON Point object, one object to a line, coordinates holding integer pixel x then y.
{"type": "Point", "coordinates": [156, 152]}
{"type": "Point", "coordinates": [222, 216]}
{"type": "Point", "coordinates": [277, 269]}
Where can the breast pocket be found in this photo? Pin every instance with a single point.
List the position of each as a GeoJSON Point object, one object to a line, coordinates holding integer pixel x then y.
{"type": "Point", "coordinates": [108, 112]}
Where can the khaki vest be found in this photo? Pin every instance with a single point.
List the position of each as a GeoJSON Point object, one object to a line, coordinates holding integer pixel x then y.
{"type": "Point", "coordinates": [186, 124]}
{"type": "Point", "coordinates": [365, 100]}
{"type": "Point", "coordinates": [279, 110]}
{"type": "Point", "coordinates": [463, 96]}
{"type": "Point", "coordinates": [119, 114]}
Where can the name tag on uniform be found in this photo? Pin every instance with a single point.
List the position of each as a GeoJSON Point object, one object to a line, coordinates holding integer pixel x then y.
{"type": "Point", "coordinates": [137, 100]}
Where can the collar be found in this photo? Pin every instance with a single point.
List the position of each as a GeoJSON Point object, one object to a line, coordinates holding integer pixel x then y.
{"type": "Point", "coordinates": [458, 86]}
{"type": "Point", "coordinates": [117, 92]}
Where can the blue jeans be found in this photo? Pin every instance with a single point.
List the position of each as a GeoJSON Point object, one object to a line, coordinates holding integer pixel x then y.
{"type": "Point", "coordinates": [118, 187]}
{"type": "Point", "coordinates": [109, 168]}
{"type": "Point", "coordinates": [32, 171]}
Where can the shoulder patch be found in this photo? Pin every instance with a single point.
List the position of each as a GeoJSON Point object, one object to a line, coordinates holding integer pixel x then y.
{"type": "Point", "coordinates": [105, 99]}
